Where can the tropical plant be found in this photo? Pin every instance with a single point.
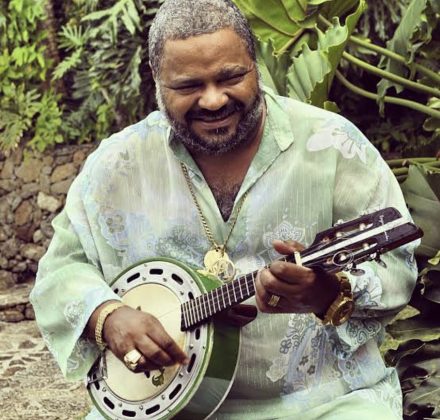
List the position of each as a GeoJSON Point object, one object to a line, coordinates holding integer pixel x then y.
{"type": "Point", "coordinates": [413, 344]}
{"type": "Point", "coordinates": [27, 107]}
{"type": "Point", "coordinates": [307, 44]}
{"type": "Point", "coordinates": [104, 66]}
{"type": "Point", "coordinates": [80, 84]}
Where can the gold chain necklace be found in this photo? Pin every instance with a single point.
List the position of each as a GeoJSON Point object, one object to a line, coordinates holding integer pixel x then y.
{"type": "Point", "coordinates": [217, 261]}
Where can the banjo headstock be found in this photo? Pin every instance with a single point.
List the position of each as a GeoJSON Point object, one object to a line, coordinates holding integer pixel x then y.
{"type": "Point", "coordinates": [366, 238]}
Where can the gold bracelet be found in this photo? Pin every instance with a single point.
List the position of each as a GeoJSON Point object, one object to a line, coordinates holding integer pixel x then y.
{"type": "Point", "coordinates": [100, 322]}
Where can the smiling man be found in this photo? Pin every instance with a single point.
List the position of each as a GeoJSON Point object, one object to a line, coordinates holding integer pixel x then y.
{"type": "Point", "coordinates": [227, 174]}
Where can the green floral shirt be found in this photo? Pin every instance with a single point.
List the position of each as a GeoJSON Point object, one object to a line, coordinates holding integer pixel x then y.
{"type": "Point", "coordinates": [312, 168]}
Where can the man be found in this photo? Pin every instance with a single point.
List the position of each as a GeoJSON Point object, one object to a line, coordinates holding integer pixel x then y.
{"type": "Point", "coordinates": [228, 168]}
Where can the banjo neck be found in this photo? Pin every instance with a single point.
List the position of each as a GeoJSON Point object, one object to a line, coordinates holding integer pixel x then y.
{"type": "Point", "coordinates": [202, 308]}
{"type": "Point", "coordinates": [336, 249]}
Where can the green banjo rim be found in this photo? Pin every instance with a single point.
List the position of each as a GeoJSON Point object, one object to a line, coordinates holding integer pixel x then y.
{"type": "Point", "coordinates": [195, 383]}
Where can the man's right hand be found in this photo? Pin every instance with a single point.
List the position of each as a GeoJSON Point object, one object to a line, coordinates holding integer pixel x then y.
{"type": "Point", "coordinates": [127, 329]}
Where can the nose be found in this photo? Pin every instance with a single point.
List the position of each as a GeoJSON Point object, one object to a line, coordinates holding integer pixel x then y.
{"type": "Point", "coordinates": [213, 98]}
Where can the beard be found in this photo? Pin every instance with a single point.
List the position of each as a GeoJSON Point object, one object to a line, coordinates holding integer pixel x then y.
{"type": "Point", "coordinates": [219, 141]}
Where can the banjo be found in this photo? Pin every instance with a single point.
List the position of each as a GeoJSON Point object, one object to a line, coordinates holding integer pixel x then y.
{"type": "Point", "coordinates": [185, 300]}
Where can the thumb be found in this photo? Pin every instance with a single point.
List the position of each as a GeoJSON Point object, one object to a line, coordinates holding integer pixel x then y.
{"type": "Point", "coordinates": [287, 247]}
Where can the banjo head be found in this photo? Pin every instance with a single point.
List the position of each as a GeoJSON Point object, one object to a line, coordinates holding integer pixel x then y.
{"type": "Point", "coordinates": [158, 287]}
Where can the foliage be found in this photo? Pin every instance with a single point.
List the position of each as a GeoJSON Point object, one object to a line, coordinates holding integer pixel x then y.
{"type": "Point", "coordinates": [380, 19]}
{"type": "Point", "coordinates": [300, 58]}
{"type": "Point", "coordinates": [105, 66]}
{"type": "Point", "coordinates": [101, 84]}
{"type": "Point", "coordinates": [414, 347]}
{"type": "Point", "coordinates": [26, 108]}
{"type": "Point", "coordinates": [304, 45]}
{"type": "Point", "coordinates": [418, 366]}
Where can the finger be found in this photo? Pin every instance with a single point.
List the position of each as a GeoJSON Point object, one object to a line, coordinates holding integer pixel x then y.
{"type": "Point", "coordinates": [262, 297]}
{"type": "Point", "coordinates": [145, 365]}
{"type": "Point", "coordinates": [165, 342]}
{"type": "Point", "coordinates": [153, 353]}
{"type": "Point", "coordinates": [273, 285]}
{"type": "Point", "coordinates": [287, 247]}
{"type": "Point", "coordinates": [292, 273]}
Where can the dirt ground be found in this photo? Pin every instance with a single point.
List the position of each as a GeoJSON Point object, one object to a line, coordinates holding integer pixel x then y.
{"type": "Point", "coordinates": [31, 384]}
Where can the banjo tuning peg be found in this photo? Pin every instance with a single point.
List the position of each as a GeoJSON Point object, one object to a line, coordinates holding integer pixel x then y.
{"type": "Point", "coordinates": [380, 262]}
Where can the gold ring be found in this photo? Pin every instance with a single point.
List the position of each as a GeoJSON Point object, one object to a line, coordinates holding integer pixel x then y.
{"type": "Point", "coordinates": [131, 359]}
{"type": "Point", "coordinates": [273, 301]}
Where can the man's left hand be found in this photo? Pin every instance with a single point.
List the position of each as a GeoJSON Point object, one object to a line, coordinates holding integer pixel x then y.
{"type": "Point", "coordinates": [300, 289]}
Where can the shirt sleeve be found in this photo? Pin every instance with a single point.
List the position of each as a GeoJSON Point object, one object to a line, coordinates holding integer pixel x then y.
{"type": "Point", "coordinates": [364, 184]}
{"type": "Point", "coordinates": [70, 286]}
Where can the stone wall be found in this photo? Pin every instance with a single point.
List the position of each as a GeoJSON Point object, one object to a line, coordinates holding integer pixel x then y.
{"type": "Point", "coordinates": [33, 189]}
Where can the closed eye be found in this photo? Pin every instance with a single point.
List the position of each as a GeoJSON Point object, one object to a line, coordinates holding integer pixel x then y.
{"type": "Point", "coordinates": [236, 78]}
{"type": "Point", "coordinates": [186, 88]}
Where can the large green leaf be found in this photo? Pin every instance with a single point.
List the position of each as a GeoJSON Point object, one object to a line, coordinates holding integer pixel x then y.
{"type": "Point", "coordinates": [310, 77]}
{"type": "Point", "coordinates": [273, 69]}
{"type": "Point", "coordinates": [270, 20]}
{"type": "Point", "coordinates": [288, 30]}
{"type": "Point", "coordinates": [418, 365]}
{"type": "Point", "coordinates": [417, 327]}
{"type": "Point", "coordinates": [422, 195]}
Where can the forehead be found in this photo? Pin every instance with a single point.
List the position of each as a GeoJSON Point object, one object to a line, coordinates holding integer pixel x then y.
{"type": "Point", "coordinates": [204, 54]}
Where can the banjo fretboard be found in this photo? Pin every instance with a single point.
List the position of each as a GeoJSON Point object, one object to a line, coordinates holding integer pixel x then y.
{"type": "Point", "coordinates": [202, 308]}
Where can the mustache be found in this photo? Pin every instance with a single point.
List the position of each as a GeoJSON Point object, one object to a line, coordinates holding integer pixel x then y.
{"type": "Point", "coordinates": [223, 112]}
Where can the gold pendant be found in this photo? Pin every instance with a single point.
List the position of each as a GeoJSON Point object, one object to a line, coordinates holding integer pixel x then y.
{"type": "Point", "coordinates": [218, 263]}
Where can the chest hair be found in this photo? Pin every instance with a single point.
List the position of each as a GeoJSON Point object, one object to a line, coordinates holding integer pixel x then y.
{"type": "Point", "coordinates": [225, 196]}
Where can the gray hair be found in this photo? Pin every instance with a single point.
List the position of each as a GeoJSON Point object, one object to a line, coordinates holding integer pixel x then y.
{"type": "Point", "coordinates": [182, 19]}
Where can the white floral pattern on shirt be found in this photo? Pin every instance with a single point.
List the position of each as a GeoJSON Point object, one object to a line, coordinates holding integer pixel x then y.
{"type": "Point", "coordinates": [341, 135]}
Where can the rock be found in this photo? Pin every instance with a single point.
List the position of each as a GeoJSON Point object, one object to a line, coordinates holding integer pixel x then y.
{"type": "Point", "coordinates": [3, 236]}
{"type": "Point", "coordinates": [79, 157]}
{"type": "Point", "coordinates": [28, 190]}
{"type": "Point", "coordinates": [37, 236]}
{"type": "Point", "coordinates": [33, 266]}
{"type": "Point", "coordinates": [19, 267]}
{"type": "Point", "coordinates": [61, 187]}
{"type": "Point", "coordinates": [62, 172]}
{"type": "Point", "coordinates": [32, 251]}
{"type": "Point", "coordinates": [3, 262]}
{"type": "Point", "coordinates": [26, 232]}
{"type": "Point", "coordinates": [7, 185]}
{"type": "Point", "coordinates": [26, 344]}
{"type": "Point", "coordinates": [29, 312]}
{"type": "Point", "coordinates": [14, 200]}
{"type": "Point", "coordinates": [47, 202]}
{"type": "Point", "coordinates": [8, 169]}
{"type": "Point", "coordinates": [47, 160]}
{"type": "Point", "coordinates": [46, 228]}
{"type": "Point", "coordinates": [11, 315]}
{"type": "Point", "coordinates": [29, 170]}
{"type": "Point", "coordinates": [9, 248]}
{"type": "Point", "coordinates": [18, 296]}
{"type": "Point", "coordinates": [4, 209]}
{"type": "Point", "coordinates": [17, 156]}
{"type": "Point", "coordinates": [45, 183]}
{"type": "Point", "coordinates": [47, 170]}
{"type": "Point", "coordinates": [23, 214]}
{"type": "Point", "coordinates": [7, 280]}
